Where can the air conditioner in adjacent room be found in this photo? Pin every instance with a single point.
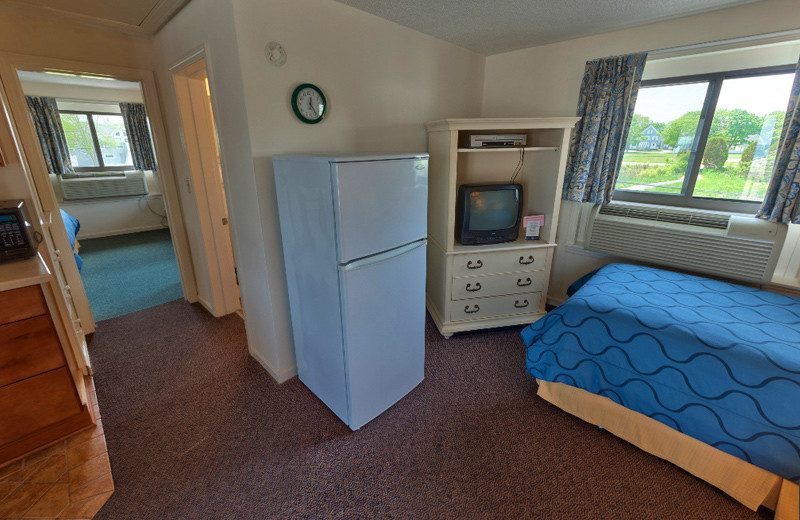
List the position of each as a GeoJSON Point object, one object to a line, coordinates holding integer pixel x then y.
{"type": "Point", "coordinates": [738, 247]}
{"type": "Point", "coordinates": [100, 186]}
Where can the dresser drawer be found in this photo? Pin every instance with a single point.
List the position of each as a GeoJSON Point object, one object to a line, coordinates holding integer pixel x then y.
{"type": "Point", "coordinates": [497, 284]}
{"type": "Point", "coordinates": [36, 402]}
{"type": "Point", "coordinates": [507, 305]}
{"type": "Point", "coordinates": [22, 303]}
{"type": "Point", "coordinates": [28, 348]}
{"type": "Point", "coordinates": [499, 262]}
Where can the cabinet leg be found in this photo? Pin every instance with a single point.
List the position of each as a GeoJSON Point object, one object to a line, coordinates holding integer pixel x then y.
{"type": "Point", "coordinates": [447, 335]}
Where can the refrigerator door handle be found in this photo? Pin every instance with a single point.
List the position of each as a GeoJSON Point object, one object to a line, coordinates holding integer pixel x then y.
{"type": "Point", "coordinates": [386, 255]}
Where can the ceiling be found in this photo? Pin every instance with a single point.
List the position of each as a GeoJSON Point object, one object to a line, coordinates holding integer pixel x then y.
{"type": "Point", "coordinates": [142, 17]}
{"type": "Point", "coordinates": [492, 27]}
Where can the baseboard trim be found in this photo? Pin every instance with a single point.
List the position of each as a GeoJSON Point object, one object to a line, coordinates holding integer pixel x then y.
{"type": "Point", "coordinates": [279, 376]}
{"type": "Point", "coordinates": [124, 231]}
{"type": "Point", "coordinates": [554, 301]}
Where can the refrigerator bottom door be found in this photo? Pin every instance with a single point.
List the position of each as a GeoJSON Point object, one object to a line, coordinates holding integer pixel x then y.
{"type": "Point", "coordinates": [384, 328]}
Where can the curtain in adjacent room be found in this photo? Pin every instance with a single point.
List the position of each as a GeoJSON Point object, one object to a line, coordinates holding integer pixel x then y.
{"type": "Point", "coordinates": [782, 203]}
{"type": "Point", "coordinates": [47, 122]}
{"type": "Point", "coordinates": [605, 106]}
{"type": "Point", "coordinates": [138, 132]}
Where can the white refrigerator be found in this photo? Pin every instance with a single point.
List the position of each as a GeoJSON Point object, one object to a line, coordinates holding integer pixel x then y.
{"type": "Point", "coordinates": [354, 239]}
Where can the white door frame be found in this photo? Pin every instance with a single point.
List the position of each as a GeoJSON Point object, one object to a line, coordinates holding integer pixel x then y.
{"type": "Point", "coordinates": [200, 140]}
{"type": "Point", "coordinates": [46, 201]}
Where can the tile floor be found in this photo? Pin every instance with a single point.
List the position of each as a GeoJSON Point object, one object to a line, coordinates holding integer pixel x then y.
{"type": "Point", "coordinates": [69, 480]}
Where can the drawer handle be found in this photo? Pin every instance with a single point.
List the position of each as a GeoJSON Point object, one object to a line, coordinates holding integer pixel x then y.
{"type": "Point", "coordinates": [477, 287]}
{"type": "Point", "coordinates": [466, 309]}
{"type": "Point", "coordinates": [526, 262]}
{"type": "Point", "coordinates": [520, 284]}
{"type": "Point", "coordinates": [477, 265]}
{"type": "Point", "coordinates": [518, 306]}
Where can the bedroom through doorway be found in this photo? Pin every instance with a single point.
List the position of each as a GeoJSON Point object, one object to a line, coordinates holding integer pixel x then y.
{"type": "Point", "coordinates": [95, 137]}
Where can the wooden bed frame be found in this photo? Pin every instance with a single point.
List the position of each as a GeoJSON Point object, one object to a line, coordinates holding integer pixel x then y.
{"type": "Point", "coordinates": [748, 484]}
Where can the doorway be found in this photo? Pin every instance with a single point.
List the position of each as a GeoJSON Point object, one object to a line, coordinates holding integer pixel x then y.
{"type": "Point", "coordinates": [219, 291]}
{"type": "Point", "coordinates": [94, 134]}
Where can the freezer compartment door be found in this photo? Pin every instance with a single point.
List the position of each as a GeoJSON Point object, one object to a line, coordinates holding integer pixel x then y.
{"type": "Point", "coordinates": [384, 328]}
{"type": "Point", "coordinates": [379, 205]}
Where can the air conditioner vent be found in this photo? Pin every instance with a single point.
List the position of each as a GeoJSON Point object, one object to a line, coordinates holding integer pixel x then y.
{"type": "Point", "coordinates": [123, 185]}
{"type": "Point", "coordinates": [688, 218]}
{"type": "Point", "coordinates": [705, 242]}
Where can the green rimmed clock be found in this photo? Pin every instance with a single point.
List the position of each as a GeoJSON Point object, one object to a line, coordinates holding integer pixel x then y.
{"type": "Point", "coordinates": [309, 103]}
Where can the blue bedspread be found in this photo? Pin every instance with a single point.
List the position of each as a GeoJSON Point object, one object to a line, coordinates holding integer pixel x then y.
{"type": "Point", "coordinates": [73, 226]}
{"type": "Point", "coordinates": [717, 361]}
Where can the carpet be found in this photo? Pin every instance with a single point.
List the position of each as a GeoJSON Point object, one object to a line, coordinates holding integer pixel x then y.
{"type": "Point", "coordinates": [127, 273]}
{"type": "Point", "coordinates": [196, 429]}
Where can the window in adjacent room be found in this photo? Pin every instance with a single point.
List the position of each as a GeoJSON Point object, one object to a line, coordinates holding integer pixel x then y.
{"type": "Point", "coordinates": [97, 141]}
{"type": "Point", "coordinates": [705, 141]}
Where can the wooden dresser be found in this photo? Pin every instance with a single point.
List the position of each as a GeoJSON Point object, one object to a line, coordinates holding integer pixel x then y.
{"type": "Point", "coordinates": [42, 397]}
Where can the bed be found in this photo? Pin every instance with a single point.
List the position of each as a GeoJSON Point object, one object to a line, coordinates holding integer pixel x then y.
{"type": "Point", "coordinates": [700, 372]}
{"type": "Point", "coordinates": [72, 226]}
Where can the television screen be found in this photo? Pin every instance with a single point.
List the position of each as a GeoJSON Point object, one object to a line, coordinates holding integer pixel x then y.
{"type": "Point", "coordinates": [492, 210]}
{"type": "Point", "coordinates": [488, 213]}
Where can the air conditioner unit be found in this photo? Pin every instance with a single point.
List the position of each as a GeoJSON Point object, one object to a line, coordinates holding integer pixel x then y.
{"type": "Point", "coordinates": [738, 247]}
{"type": "Point", "coordinates": [122, 185]}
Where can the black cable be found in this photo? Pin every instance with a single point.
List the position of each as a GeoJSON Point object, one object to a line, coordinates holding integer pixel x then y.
{"type": "Point", "coordinates": [521, 161]}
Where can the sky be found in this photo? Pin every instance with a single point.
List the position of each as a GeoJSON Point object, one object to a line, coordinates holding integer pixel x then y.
{"type": "Point", "coordinates": [758, 95]}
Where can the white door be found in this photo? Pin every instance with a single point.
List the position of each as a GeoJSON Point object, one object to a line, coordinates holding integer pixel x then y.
{"type": "Point", "coordinates": [384, 329]}
{"type": "Point", "coordinates": [380, 205]}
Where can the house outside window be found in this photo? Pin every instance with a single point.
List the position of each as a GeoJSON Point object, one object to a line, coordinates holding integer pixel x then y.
{"type": "Point", "coordinates": [97, 141]}
{"type": "Point", "coordinates": [706, 141]}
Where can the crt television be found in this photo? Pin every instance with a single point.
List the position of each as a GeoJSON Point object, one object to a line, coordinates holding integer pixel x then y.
{"type": "Point", "coordinates": [488, 213]}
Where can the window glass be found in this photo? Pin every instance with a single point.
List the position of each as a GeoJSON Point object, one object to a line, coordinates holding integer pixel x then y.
{"type": "Point", "coordinates": [663, 129]}
{"type": "Point", "coordinates": [112, 139]}
{"type": "Point", "coordinates": [741, 146]}
{"type": "Point", "coordinates": [79, 140]}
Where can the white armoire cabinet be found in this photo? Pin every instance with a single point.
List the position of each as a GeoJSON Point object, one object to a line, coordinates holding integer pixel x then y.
{"type": "Point", "coordinates": [484, 286]}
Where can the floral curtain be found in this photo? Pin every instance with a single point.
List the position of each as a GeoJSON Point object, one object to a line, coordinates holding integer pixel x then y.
{"type": "Point", "coordinates": [138, 132]}
{"type": "Point", "coordinates": [605, 106]}
{"type": "Point", "coordinates": [781, 202]}
{"type": "Point", "coordinates": [47, 122]}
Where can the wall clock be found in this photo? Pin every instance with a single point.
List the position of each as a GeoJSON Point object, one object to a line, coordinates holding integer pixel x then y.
{"type": "Point", "coordinates": [309, 103]}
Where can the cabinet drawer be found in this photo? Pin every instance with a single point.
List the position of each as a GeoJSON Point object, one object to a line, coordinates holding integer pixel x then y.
{"type": "Point", "coordinates": [497, 284]}
{"type": "Point", "coordinates": [508, 305]}
{"type": "Point", "coordinates": [28, 348]}
{"type": "Point", "coordinates": [36, 402]}
{"type": "Point", "coordinates": [22, 303]}
{"type": "Point", "coordinates": [499, 262]}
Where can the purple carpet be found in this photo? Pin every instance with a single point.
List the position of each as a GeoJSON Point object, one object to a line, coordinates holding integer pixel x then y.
{"type": "Point", "coordinates": [197, 429]}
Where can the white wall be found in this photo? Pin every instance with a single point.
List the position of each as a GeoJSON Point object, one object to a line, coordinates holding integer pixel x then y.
{"type": "Point", "coordinates": [210, 22]}
{"type": "Point", "coordinates": [118, 215]}
{"type": "Point", "coordinates": [544, 81]}
{"type": "Point", "coordinates": [383, 82]}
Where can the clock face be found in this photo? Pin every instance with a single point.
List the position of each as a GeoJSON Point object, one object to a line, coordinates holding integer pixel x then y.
{"type": "Point", "coordinates": [309, 103]}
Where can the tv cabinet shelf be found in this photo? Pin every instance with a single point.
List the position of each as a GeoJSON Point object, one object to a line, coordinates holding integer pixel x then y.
{"type": "Point", "coordinates": [510, 149]}
{"type": "Point", "coordinates": [517, 244]}
{"type": "Point", "coordinates": [494, 285]}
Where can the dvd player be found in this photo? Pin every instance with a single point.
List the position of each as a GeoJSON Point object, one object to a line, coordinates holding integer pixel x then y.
{"type": "Point", "coordinates": [497, 140]}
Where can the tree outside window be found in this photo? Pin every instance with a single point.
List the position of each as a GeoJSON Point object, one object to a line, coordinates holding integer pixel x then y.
{"type": "Point", "coordinates": [705, 141]}
{"type": "Point", "coordinates": [96, 141]}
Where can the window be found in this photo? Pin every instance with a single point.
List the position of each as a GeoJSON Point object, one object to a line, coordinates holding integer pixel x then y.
{"type": "Point", "coordinates": [705, 141]}
{"type": "Point", "coordinates": [96, 141]}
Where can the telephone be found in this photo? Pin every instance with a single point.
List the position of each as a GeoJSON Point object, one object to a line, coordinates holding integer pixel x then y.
{"type": "Point", "coordinates": [16, 234]}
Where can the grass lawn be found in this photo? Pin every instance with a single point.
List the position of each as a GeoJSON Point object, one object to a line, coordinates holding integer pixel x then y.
{"type": "Point", "coordinates": [648, 157]}
{"type": "Point", "coordinates": [710, 183]}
